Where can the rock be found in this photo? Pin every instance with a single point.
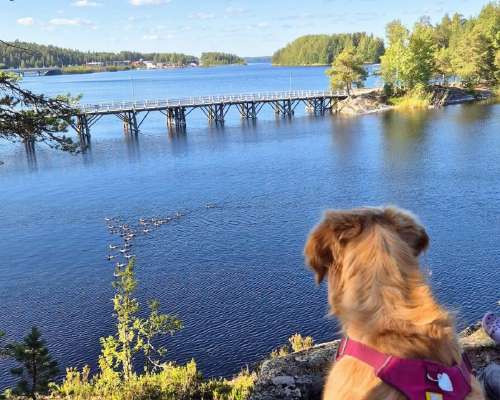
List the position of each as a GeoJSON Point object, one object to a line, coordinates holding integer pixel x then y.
{"type": "Point", "coordinates": [295, 376]}
{"type": "Point", "coordinates": [301, 375]}
{"type": "Point", "coordinates": [446, 95]}
{"type": "Point", "coordinates": [364, 103]}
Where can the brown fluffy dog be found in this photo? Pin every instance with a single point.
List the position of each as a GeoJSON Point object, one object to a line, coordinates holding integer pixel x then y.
{"type": "Point", "coordinates": [380, 296]}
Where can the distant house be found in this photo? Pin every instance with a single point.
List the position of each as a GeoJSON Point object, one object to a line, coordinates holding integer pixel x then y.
{"type": "Point", "coordinates": [95, 63]}
{"type": "Point", "coordinates": [150, 64]}
{"type": "Point", "coordinates": [120, 62]}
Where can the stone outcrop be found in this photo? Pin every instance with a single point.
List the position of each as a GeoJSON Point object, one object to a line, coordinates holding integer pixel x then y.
{"type": "Point", "coordinates": [300, 376]}
{"type": "Point", "coordinates": [446, 95]}
{"type": "Point", "coordinates": [365, 103]}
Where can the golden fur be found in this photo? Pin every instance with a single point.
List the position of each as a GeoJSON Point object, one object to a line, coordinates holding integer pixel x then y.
{"type": "Point", "coordinates": [380, 296]}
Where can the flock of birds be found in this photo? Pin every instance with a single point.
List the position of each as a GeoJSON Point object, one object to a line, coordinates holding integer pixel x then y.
{"type": "Point", "coordinates": [123, 252]}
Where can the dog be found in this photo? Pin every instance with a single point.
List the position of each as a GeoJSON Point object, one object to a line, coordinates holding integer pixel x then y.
{"type": "Point", "coordinates": [377, 291]}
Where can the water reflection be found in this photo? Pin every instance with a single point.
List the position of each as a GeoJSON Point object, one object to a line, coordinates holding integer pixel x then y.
{"type": "Point", "coordinates": [472, 113]}
{"type": "Point", "coordinates": [133, 150]}
{"type": "Point", "coordinates": [178, 140]}
{"type": "Point", "coordinates": [29, 146]}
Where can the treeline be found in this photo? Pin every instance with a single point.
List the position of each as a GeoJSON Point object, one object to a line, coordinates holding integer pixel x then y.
{"type": "Point", "coordinates": [323, 49]}
{"type": "Point", "coordinates": [217, 58]}
{"type": "Point", "coordinates": [32, 55]}
{"type": "Point", "coordinates": [458, 49]}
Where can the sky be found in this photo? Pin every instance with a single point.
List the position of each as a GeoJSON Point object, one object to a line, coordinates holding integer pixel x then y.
{"type": "Point", "coordinates": [244, 27]}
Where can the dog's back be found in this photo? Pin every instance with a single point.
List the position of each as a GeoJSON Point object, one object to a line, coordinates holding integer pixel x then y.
{"type": "Point", "coordinates": [380, 296]}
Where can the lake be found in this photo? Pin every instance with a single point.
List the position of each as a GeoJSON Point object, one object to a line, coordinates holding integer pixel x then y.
{"type": "Point", "coordinates": [230, 265]}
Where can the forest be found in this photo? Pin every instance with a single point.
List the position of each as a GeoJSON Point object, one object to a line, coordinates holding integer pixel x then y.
{"type": "Point", "coordinates": [216, 58]}
{"type": "Point", "coordinates": [29, 55]}
{"type": "Point", "coordinates": [323, 49]}
{"type": "Point", "coordinates": [457, 49]}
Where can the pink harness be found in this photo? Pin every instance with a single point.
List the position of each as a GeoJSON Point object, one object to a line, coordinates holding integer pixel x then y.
{"type": "Point", "coordinates": [416, 379]}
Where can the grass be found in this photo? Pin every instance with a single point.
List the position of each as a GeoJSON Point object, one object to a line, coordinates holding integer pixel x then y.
{"type": "Point", "coordinates": [297, 342]}
{"type": "Point", "coordinates": [410, 102]}
{"type": "Point", "coordinates": [88, 69]}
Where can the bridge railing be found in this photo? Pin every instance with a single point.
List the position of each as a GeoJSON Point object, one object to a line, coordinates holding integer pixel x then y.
{"type": "Point", "coordinates": [195, 101]}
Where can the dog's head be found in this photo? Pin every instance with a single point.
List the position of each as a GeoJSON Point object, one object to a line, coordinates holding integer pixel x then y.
{"type": "Point", "coordinates": [354, 240]}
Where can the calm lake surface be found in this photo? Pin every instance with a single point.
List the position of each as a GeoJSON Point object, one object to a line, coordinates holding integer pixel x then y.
{"type": "Point", "coordinates": [231, 267]}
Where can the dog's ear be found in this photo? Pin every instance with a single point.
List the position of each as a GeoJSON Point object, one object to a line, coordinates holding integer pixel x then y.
{"type": "Point", "coordinates": [326, 240]}
{"type": "Point", "coordinates": [408, 228]}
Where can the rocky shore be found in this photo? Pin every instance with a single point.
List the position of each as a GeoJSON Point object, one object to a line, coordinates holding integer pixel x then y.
{"type": "Point", "coordinates": [367, 101]}
{"type": "Point", "coordinates": [300, 376]}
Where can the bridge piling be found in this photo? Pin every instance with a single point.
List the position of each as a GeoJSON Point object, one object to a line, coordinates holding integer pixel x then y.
{"type": "Point", "coordinates": [83, 130]}
{"type": "Point", "coordinates": [247, 110]}
{"type": "Point", "coordinates": [130, 126]}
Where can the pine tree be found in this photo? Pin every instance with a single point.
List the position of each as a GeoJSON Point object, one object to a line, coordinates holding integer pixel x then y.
{"type": "Point", "coordinates": [347, 70]}
{"type": "Point", "coordinates": [37, 368]}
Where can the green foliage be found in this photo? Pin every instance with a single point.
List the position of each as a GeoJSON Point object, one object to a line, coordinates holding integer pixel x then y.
{"type": "Point", "coordinates": [217, 58]}
{"type": "Point", "coordinates": [323, 49]}
{"type": "Point", "coordinates": [26, 116]}
{"type": "Point", "coordinates": [27, 55]}
{"type": "Point", "coordinates": [299, 343]}
{"type": "Point", "coordinates": [347, 70]}
{"type": "Point", "coordinates": [37, 367]}
{"type": "Point", "coordinates": [88, 69]}
{"type": "Point", "coordinates": [238, 388]}
{"type": "Point", "coordinates": [170, 382]}
{"type": "Point", "coordinates": [134, 334]}
{"type": "Point", "coordinates": [409, 59]}
{"type": "Point", "coordinates": [416, 98]}
{"type": "Point", "coordinates": [456, 48]}
{"type": "Point", "coordinates": [296, 342]}
{"type": "Point", "coordinates": [281, 351]}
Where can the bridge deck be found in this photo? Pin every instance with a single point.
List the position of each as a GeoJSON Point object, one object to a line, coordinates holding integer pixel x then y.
{"type": "Point", "coordinates": [203, 101]}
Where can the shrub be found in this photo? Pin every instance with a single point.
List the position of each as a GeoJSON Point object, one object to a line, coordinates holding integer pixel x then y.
{"type": "Point", "coordinates": [300, 343]}
{"type": "Point", "coordinates": [238, 388]}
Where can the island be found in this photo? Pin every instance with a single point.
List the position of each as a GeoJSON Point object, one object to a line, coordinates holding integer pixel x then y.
{"type": "Point", "coordinates": [213, 58]}
{"type": "Point", "coordinates": [323, 49]}
{"type": "Point", "coordinates": [20, 55]}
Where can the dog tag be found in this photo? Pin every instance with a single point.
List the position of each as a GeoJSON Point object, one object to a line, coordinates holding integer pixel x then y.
{"type": "Point", "coordinates": [444, 382]}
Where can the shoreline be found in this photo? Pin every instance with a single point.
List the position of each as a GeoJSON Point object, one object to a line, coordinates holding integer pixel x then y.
{"type": "Point", "coordinates": [301, 375]}
{"type": "Point", "coordinates": [374, 101]}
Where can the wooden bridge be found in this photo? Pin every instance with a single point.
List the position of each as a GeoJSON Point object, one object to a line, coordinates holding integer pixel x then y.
{"type": "Point", "coordinates": [215, 108]}
{"type": "Point", "coordinates": [42, 71]}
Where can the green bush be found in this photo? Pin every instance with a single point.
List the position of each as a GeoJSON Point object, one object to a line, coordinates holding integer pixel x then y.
{"type": "Point", "coordinates": [299, 343]}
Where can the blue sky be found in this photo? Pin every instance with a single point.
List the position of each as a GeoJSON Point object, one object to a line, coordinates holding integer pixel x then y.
{"type": "Point", "coordinates": [248, 28]}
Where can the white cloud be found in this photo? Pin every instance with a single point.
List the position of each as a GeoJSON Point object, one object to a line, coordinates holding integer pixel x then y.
{"type": "Point", "coordinates": [151, 37]}
{"type": "Point", "coordinates": [86, 3]}
{"type": "Point", "coordinates": [262, 24]}
{"type": "Point", "coordinates": [26, 21]}
{"type": "Point", "coordinates": [235, 11]}
{"type": "Point", "coordinates": [202, 15]}
{"type": "Point", "coordinates": [70, 22]}
{"type": "Point", "coordinates": [148, 2]}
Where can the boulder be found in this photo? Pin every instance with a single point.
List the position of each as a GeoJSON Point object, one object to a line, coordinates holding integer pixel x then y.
{"type": "Point", "coordinates": [301, 375]}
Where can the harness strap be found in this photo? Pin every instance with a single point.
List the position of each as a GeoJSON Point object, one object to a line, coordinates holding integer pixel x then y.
{"type": "Point", "coordinates": [364, 353]}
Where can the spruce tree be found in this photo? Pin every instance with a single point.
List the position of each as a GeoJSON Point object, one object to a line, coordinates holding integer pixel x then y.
{"type": "Point", "coordinates": [37, 367]}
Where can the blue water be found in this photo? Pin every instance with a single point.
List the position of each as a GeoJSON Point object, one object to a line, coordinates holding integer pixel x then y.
{"type": "Point", "coordinates": [231, 266]}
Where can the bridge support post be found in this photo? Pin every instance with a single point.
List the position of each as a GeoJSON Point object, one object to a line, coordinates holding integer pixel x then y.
{"type": "Point", "coordinates": [83, 130]}
{"type": "Point", "coordinates": [216, 113]}
{"type": "Point", "coordinates": [248, 110]}
{"type": "Point", "coordinates": [176, 117]}
{"type": "Point", "coordinates": [284, 108]}
{"type": "Point", "coordinates": [130, 123]}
